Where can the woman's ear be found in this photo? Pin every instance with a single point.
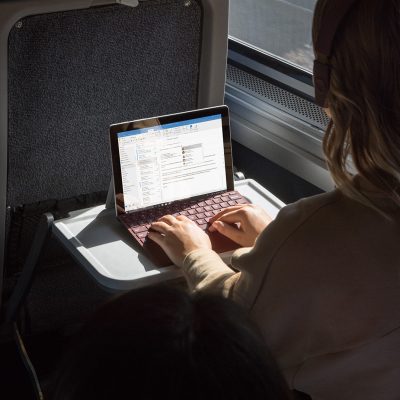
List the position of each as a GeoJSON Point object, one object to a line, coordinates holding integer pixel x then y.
{"type": "Point", "coordinates": [328, 112]}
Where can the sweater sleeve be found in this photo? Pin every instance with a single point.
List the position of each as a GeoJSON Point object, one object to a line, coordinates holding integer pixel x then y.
{"type": "Point", "coordinates": [204, 270]}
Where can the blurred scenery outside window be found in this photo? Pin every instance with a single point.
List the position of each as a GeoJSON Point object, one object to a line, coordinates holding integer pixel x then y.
{"type": "Point", "coordinates": [279, 27]}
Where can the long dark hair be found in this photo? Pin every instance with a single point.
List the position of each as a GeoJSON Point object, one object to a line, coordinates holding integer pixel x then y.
{"type": "Point", "coordinates": [364, 99]}
{"type": "Point", "coordinates": [163, 342]}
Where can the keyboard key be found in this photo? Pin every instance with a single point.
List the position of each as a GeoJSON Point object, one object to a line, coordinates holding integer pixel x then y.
{"type": "Point", "coordinates": [142, 234]}
{"type": "Point", "coordinates": [216, 207]}
{"type": "Point", "coordinates": [209, 202]}
{"type": "Point", "coordinates": [209, 214]}
{"type": "Point", "coordinates": [200, 210]}
{"type": "Point", "coordinates": [138, 229]}
{"type": "Point", "coordinates": [241, 201]}
{"type": "Point", "coordinates": [201, 222]}
{"type": "Point", "coordinates": [202, 204]}
{"type": "Point", "coordinates": [201, 215]}
{"type": "Point", "coordinates": [224, 205]}
{"type": "Point", "coordinates": [232, 203]}
{"type": "Point", "coordinates": [225, 198]}
{"type": "Point", "coordinates": [192, 217]}
{"type": "Point", "coordinates": [191, 211]}
{"type": "Point", "coordinates": [208, 208]}
{"type": "Point", "coordinates": [235, 197]}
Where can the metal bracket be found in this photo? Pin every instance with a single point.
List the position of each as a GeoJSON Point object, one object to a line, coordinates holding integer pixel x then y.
{"type": "Point", "coordinates": [238, 175]}
{"type": "Point", "coordinates": [130, 3]}
{"type": "Point", "coordinates": [25, 280]}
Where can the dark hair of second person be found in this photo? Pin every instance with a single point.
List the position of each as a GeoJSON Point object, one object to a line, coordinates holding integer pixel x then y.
{"type": "Point", "coordinates": [163, 342]}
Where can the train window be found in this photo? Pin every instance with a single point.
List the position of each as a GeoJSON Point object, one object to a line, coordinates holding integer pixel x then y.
{"type": "Point", "coordinates": [269, 86]}
{"type": "Point", "coordinates": [279, 27]}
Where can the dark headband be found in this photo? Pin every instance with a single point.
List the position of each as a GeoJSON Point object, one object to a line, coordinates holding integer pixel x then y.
{"type": "Point", "coordinates": [333, 14]}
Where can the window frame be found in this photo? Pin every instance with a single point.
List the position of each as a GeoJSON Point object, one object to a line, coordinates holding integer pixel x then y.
{"type": "Point", "coordinates": [275, 135]}
{"type": "Point", "coordinates": [272, 68]}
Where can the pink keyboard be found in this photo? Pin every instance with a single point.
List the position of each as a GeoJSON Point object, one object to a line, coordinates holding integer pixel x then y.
{"type": "Point", "coordinates": [200, 212]}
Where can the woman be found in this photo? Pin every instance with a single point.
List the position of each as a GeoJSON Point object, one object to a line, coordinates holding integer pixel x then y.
{"type": "Point", "coordinates": [323, 279]}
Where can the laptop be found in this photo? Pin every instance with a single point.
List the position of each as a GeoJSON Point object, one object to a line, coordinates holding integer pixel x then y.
{"type": "Point", "coordinates": [178, 164]}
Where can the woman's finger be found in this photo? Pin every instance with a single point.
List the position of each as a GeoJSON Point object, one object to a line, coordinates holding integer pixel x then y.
{"type": "Point", "coordinates": [183, 218]}
{"type": "Point", "coordinates": [225, 211]}
{"type": "Point", "coordinates": [168, 219]}
{"type": "Point", "coordinates": [160, 227]}
{"type": "Point", "coordinates": [230, 231]}
{"type": "Point", "coordinates": [156, 237]}
{"type": "Point", "coordinates": [231, 217]}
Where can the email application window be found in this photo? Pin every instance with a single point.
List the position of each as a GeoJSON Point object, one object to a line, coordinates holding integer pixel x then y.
{"type": "Point", "coordinates": [170, 162]}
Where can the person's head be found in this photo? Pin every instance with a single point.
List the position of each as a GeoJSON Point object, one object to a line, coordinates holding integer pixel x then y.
{"type": "Point", "coordinates": [364, 94]}
{"type": "Point", "coordinates": [163, 342]}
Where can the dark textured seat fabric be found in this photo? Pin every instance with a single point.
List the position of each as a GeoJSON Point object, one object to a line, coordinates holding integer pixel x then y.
{"type": "Point", "coordinates": [72, 74]}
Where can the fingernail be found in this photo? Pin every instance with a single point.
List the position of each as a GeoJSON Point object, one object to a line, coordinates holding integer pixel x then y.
{"type": "Point", "coordinates": [215, 225]}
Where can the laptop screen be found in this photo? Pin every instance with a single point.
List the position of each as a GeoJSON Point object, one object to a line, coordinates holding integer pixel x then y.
{"type": "Point", "coordinates": [169, 158]}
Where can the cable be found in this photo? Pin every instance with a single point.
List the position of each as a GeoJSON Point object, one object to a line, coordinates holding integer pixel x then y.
{"type": "Point", "coordinates": [27, 362]}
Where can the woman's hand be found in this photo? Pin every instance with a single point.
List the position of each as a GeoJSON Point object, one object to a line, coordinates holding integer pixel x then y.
{"type": "Point", "coordinates": [242, 223]}
{"type": "Point", "coordinates": [178, 237]}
